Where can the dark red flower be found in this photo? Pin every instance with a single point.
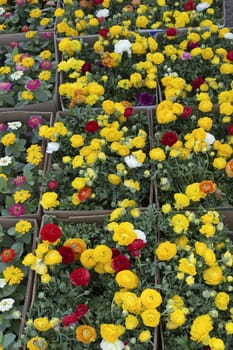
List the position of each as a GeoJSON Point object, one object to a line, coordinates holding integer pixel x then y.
{"type": "Point", "coordinates": [136, 246]}
{"type": "Point", "coordinates": [50, 232]}
{"type": "Point", "coordinates": [103, 32]}
{"type": "Point", "coordinates": [52, 185]}
{"type": "Point", "coordinates": [120, 262]}
{"type": "Point", "coordinates": [80, 276]}
{"type": "Point", "coordinates": [67, 254]}
{"type": "Point", "coordinates": [128, 112]}
{"type": "Point", "coordinates": [81, 310]}
{"type": "Point", "coordinates": [230, 129]}
{"type": "Point", "coordinates": [171, 32]}
{"type": "Point", "coordinates": [86, 67]}
{"type": "Point", "coordinates": [192, 45]}
{"type": "Point", "coordinates": [187, 112]}
{"type": "Point", "coordinates": [7, 255]}
{"type": "Point", "coordinates": [169, 138]}
{"type": "Point", "coordinates": [67, 320]}
{"type": "Point", "coordinates": [189, 5]}
{"type": "Point", "coordinates": [230, 55]}
{"type": "Point", "coordinates": [98, 2]}
{"type": "Point", "coordinates": [115, 252]}
{"type": "Point", "coordinates": [92, 126]}
{"type": "Point", "coordinates": [84, 193]}
{"type": "Point", "coordinates": [198, 82]}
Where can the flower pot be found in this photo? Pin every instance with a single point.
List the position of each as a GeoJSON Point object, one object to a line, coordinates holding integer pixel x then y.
{"type": "Point", "coordinates": [30, 177]}
{"type": "Point", "coordinates": [41, 100]}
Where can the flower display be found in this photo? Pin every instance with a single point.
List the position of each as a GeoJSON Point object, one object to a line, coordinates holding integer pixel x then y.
{"type": "Point", "coordinates": [22, 16]}
{"type": "Point", "coordinates": [102, 159]}
{"type": "Point", "coordinates": [76, 18]}
{"type": "Point", "coordinates": [195, 259]}
{"type": "Point", "coordinates": [16, 239]}
{"type": "Point", "coordinates": [21, 162]}
{"type": "Point", "coordinates": [27, 72]}
{"type": "Point", "coordinates": [107, 296]}
{"type": "Point", "coordinates": [119, 64]}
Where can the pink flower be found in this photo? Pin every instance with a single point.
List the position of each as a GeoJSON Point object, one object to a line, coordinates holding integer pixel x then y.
{"type": "Point", "coordinates": [186, 56]}
{"type": "Point", "coordinates": [34, 121]}
{"type": "Point", "coordinates": [19, 180]}
{"type": "Point", "coordinates": [33, 84]}
{"type": "Point", "coordinates": [46, 65]}
{"type": "Point", "coordinates": [5, 86]}
{"type": "Point", "coordinates": [17, 210]}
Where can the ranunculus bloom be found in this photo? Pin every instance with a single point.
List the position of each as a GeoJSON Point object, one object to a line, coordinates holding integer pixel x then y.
{"type": "Point", "coordinates": [84, 193]}
{"type": "Point", "coordinates": [189, 5]}
{"type": "Point", "coordinates": [128, 112]}
{"type": "Point", "coordinates": [50, 232]}
{"type": "Point", "coordinates": [230, 55]}
{"type": "Point", "coordinates": [86, 67]}
{"type": "Point", "coordinates": [103, 32]}
{"type": "Point", "coordinates": [92, 126]}
{"type": "Point", "coordinates": [81, 310]}
{"type": "Point", "coordinates": [136, 247]}
{"type": "Point", "coordinates": [145, 99]}
{"type": "Point", "coordinates": [192, 45]}
{"type": "Point", "coordinates": [207, 186]}
{"type": "Point", "coordinates": [230, 129]}
{"type": "Point", "coordinates": [171, 32]}
{"type": "Point", "coordinates": [229, 168]}
{"type": "Point", "coordinates": [67, 320]}
{"type": "Point", "coordinates": [120, 262]}
{"type": "Point", "coordinates": [169, 138]}
{"type": "Point", "coordinates": [187, 112]}
{"type": "Point", "coordinates": [67, 254]}
{"type": "Point", "coordinates": [80, 276]}
{"type": "Point", "coordinates": [52, 185]}
{"type": "Point", "coordinates": [198, 82]}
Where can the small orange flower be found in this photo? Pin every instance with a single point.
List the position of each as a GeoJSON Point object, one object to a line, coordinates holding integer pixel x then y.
{"type": "Point", "coordinates": [85, 334]}
{"type": "Point", "coordinates": [78, 245]}
{"type": "Point", "coordinates": [84, 193]}
{"type": "Point", "coordinates": [207, 186]}
{"type": "Point", "coordinates": [229, 168]}
{"type": "Point", "coordinates": [7, 255]}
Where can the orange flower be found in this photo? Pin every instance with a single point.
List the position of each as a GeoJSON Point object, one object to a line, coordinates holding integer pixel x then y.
{"type": "Point", "coordinates": [85, 334]}
{"type": "Point", "coordinates": [84, 193]}
{"type": "Point", "coordinates": [78, 245]}
{"type": "Point", "coordinates": [7, 255]}
{"type": "Point", "coordinates": [229, 168]}
{"type": "Point", "coordinates": [207, 186]}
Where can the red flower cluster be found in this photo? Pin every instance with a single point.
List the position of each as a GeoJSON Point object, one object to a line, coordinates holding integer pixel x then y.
{"type": "Point", "coordinates": [136, 247]}
{"type": "Point", "coordinates": [80, 276]}
{"type": "Point", "coordinates": [75, 316]}
{"type": "Point", "coordinates": [67, 254]}
{"type": "Point", "coordinates": [50, 232]}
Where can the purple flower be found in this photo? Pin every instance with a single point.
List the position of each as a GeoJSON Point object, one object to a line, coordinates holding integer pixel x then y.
{"type": "Point", "coordinates": [3, 126]}
{"type": "Point", "coordinates": [47, 35]}
{"type": "Point", "coordinates": [19, 180]}
{"type": "Point", "coordinates": [46, 65]}
{"type": "Point", "coordinates": [145, 99]}
{"type": "Point", "coordinates": [185, 56]}
{"type": "Point", "coordinates": [34, 121]}
{"type": "Point", "coordinates": [6, 86]}
{"type": "Point", "coordinates": [33, 84]}
{"type": "Point", "coordinates": [19, 67]}
{"type": "Point", "coordinates": [17, 210]}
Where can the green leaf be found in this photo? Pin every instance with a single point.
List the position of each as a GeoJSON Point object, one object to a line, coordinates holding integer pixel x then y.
{"type": "Point", "coordinates": [41, 95]}
{"type": "Point", "coordinates": [8, 339]}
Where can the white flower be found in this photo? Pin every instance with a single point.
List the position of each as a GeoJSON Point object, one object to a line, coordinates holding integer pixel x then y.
{"type": "Point", "coordinates": [52, 147]}
{"type": "Point", "coordinates": [118, 345]}
{"type": "Point", "coordinates": [2, 10]}
{"type": "Point", "coordinates": [132, 162]}
{"type": "Point", "coordinates": [6, 304]}
{"type": "Point", "coordinates": [123, 45]}
{"type": "Point", "coordinates": [2, 283]}
{"type": "Point", "coordinates": [202, 6]}
{"type": "Point", "coordinates": [228, 36]}
{"type": "Point", "coordinates": [209, 139]}
{"type": "Point", "coordinates": [16, 75]}
{"type": "Point", "coordinates": [14, 125]}
{"type": "Point", "coordinates": [140, 235]}
{"type": "Point", "coordinates": [104, 13]}
{"type": "Point", "coordinates": [5, 161]}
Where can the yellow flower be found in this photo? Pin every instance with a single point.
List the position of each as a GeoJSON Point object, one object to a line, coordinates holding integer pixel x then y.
{"type": "Point", "coordinates": [76, 141]}
{"type": "Point", "coordinates": [42, 324]}
{"type": "Point", "coordinates": [127, 279]}
{"type": "Point", "coordinates": [200, 328]}
{"type": "Point", "coordinates": [27, 95]}
{"type": "Point", "coordinates": [131, 303]}
{"type": "Point", "coordinates": [102, 253]}
{"type": "Point", "coordinates": [193, 192]}
{"type": "Point", "coordinates": [85, 334]}
{"type": "Point", "coordinates": [8, 139]}
{"type": "Point", "coordinates": [111, 332]}
{"type": "Point", "coordinates": [209, 257]}
{"type": "Point", "coordinates": [219, 163]}
{"type": "Point", "coordinates": [157, 154]}
{"type": "Point", "coordinates": [150, 298]}
{"type": "Point", "coordinates": [114, 179]}
{"type": "Point", "coordinates": [13, 275]}
{"type": "Point", "coordinates": [213, 275]}
{"type": "Point", "coordinates": [124, 233]}
{"type": "Point", "coordinates": [187, 266]}
{"type": "Point", "coordinates": [205, 106]}
{"type": "Point", "coordinates": [45, 278]}
{"type": "Point", "coordinates": [180, 223]}
{"type": "Point", "coordinates": [87, 258]}
{"type": "Point", "coordinates": [208, 230]}
{"type": "Point", "coordinates": [166, 251]}
{"type": "Point", "coordinates": [181, 201]}
{"type": "Point", "coordinates": [21, 196]}
{"type": "Point", "coordinates": [229, 327]}
{"type": "Point", "coordinates": [144, 336]}
{"type": "Point", "coordinates": [35, 13]}
{"type": "Point", "coordinates": [78, 183]}
{"type": "Point", "coordinates": [49, 200]}
{"type": "Point", "coordinates": [222, 300]}
{"type": "Point", "coordinates": [53, 257]}
{"type": "Point", "coordinates": [150, 317]}
{"type": "Point", "coordinates": [177, 318]}
{"type": "Point", "coordinates": [23, 226]}
{"type": "Point", "coordinates": [34, 154]}
{"type": "Point", "coordinates": [37, 343]}
{"type": "Point", "coordinates": [131, 322]}
{"type": "Point", "coordinates": [216, 344]}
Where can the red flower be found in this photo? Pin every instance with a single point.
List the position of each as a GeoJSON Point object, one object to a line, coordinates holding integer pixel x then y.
{"type": "Point", "coordinates": [197, 82]}
{"type": "Point", "coordinates": [92, 126]}
{"type": "Point", "coordinates": [136, 246]}
{"type": "Point", "coordinates": [115, 252]}
{"type": "Point", "coordinates": [25, 29]}
{"type": "Point", "coordinates": [128, 112]}
{"type": "Point", "coordinates": [171, 32]}
{"type": "Point", "coordinates": [230, 129]}
{"type": "Point", "coordinates": [80, 276]}
{"type": "Point", "coordinates": [230, 55]}
{"type": "Point", "coordinates": [50, 232]}
{"type": "Point", "coordinates": [84, 193]}
{"type": "Point", "coordinates": [189, 5]}
{"type": "Point", "coordinates": [67, 254]}
{"type": "Point", "coordinates": [187, 112]}
{"type": "Point", "coordinates": [7, 255]}
{"type": "Point", "coordinates": [103, 32]}
{"type": "Point", "coordinates": [86, 67]}
{"type": "Point", "coordinates": [120, 262]}
{"type": "Point", "coordinates": [52, 185]}
{"type": "Point", "coordinates": [192, 45]}
{"type": "Point", "coordinates": [98, 2]}
{"type": "Point", "coordinates": [81, 310]}
{"type": "Point", "coordinates": [67, 320]}
{"type": "Point", "coordinates": [169, 138]}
